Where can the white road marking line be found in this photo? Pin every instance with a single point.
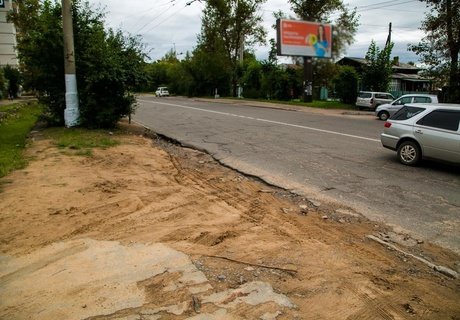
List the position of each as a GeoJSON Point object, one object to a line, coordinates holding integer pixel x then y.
{"type": "Point", "coordinates": [263, 120]}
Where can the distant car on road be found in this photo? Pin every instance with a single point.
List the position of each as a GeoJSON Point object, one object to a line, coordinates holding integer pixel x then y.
{"type": "Point", "coordinates": [162, 92]}
{"type": "Point", "coordinates": [371, 100]}
{"type": "Point", "coordinates": [385, 111]}
{"type": "Point", "coordinates": [419, 131]}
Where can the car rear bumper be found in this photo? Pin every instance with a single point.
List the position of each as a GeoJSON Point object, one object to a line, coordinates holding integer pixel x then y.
{"type": "Point", "coordinates": [389, 141]}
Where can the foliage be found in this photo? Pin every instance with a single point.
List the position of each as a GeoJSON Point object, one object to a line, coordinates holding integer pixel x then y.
{"type": "Point", "coordinates": [345, 26]}
{"type": "Point", "coordinates": [439, 49]}
{"type": "Point", "coordinates": [13, 77]}
{"type": "Point", "coordinates": [377, 71]}
{"type": "Point", "coordinates": [346, 84]}
{"type": "Point", "coordinates": [109, 65]}
{"type": "Point", "coordinates": [16, 121]}
{"type": "Point", "coordinates": [3, 85]}
{"type": "Point", "coordinates": [227, 27]}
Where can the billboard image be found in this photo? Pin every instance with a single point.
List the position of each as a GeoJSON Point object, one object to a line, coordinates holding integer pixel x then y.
{"type": "Point", "coordinates": [304, 38]}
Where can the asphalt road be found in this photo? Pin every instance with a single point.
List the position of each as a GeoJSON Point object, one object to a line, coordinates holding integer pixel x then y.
{"type": "Point", "coordinates": [322, 156]}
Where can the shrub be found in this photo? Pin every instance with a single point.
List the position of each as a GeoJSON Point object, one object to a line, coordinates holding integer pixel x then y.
{"type": "Point", "coordinates": [108, 64]}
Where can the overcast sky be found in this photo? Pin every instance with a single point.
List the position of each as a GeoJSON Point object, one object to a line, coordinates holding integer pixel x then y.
{"type": "Point", "coordinates": [165, 24]}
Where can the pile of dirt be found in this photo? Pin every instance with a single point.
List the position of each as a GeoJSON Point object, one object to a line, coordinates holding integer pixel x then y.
{"type": "Point", "coordinates": [150, 230]}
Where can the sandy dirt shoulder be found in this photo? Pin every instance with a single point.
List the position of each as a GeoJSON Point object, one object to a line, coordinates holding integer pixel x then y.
{"type": "Point", "coordinates": [150, 230]}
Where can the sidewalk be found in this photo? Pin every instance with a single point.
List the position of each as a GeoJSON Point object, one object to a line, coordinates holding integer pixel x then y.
{"type": "Point", "coordinates": [287, 107]}
{"type": "Point", "coordinates": [6, 102]}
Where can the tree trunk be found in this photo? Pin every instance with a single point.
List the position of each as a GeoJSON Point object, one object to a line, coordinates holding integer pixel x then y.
{"type": "Point", "coordinates": [454, 47]}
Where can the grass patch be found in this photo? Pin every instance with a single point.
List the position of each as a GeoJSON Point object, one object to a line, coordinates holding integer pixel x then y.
{"type": "Point", "coordinates": [15, 124]}
{"type": "Point", "coordinates": [315, 104]}
{"type": "Point", "coordinates": [80, 141]}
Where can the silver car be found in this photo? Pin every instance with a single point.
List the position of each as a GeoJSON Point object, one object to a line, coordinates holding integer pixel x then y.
{"type": "Point", "coordinates": [385, 111]}
{"type": "Point", "coordinates": [419, 131]}
{"type": "Point", "coordinates": [371, 100]}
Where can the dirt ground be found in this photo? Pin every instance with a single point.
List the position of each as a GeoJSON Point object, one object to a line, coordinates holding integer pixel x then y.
{"type": "Point", "coordinates": [151, 230]}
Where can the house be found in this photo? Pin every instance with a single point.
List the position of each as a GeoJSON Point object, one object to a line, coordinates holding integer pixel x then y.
{"type": "Point", "coordinates": [8, 53]}
{"type": "Point", "coordinates": [406, 78]}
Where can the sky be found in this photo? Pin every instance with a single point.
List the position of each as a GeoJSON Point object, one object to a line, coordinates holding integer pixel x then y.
{"type": "Point", "coordinates": [172, 24]}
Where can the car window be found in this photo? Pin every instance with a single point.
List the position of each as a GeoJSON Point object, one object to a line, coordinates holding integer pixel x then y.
{"type": "Point", "coordinates": [381, 96]}
{"type": "Point", "coordinates": [442, 119]}
{"type": "Point", "coordinates": [365, 95]}
{"type": "Point", "coordinates": [406, 113]}
{"type": "Point", "coordinates": [403, 100]}
{"type": "Point", "coordinates": [422, 99]}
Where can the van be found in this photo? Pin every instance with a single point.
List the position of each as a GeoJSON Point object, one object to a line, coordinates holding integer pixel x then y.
{"type": "Point", "coordinates": [371, 100]}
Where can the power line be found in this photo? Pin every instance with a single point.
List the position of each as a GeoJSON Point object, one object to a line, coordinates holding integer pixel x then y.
{"type": "Point", "coordinates": [159, 15]}
{"type": "Point", "coordinates": [166, 19]}
{"type": "Point", "coordinates": [385, 6]}
{"type": "Point", "coordinates": [377, 4]}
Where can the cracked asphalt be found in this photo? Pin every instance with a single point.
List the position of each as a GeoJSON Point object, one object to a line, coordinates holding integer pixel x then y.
{"type": "Point", "coordinates": [324, 155]}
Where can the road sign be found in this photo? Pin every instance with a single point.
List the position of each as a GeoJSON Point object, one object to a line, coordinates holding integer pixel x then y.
{"type": "Point", "coordinates": [2, 3]}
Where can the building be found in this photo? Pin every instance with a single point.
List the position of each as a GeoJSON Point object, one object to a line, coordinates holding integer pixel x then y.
{"type": "Point", "coordinates": [406, 78]}
{"type": "Point", "coordinates": [8, 53]}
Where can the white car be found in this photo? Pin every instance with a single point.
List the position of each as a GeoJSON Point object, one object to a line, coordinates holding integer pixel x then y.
{"type": "Point", "coordinates": [385, 111]}
{"type": "Point", "coordinates": [424, 130]}
{"type": "Point", "coordinates": [162, 92]}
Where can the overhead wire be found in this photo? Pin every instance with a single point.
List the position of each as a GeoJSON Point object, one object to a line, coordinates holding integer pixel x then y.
{"type": "Point", "coordinates": [172, 4]}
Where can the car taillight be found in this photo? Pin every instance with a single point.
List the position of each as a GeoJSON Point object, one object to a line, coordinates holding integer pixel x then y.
{"type": "Point", "coordinates": [387, 124]}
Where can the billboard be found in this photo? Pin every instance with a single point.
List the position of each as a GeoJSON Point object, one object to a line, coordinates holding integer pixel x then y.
{"type": "Point", "coordinates": [304, 38]}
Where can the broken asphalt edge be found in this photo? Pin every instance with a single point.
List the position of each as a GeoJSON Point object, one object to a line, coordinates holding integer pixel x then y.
{"type": "Point", "coordinates": [152, 134]}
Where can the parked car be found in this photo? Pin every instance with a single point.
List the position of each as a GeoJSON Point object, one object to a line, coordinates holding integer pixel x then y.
{"type": "Point", "coordinates": [419, 131]}
{"type": "Point", "coordinates": [385, 111]}
{"type": "Point", "coordinates": [371, 100]}
{"type": "Point", "coordinates": [162, 92]}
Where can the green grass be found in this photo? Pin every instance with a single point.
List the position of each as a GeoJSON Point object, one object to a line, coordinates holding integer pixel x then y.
{"type": "Point", "coordinates": [321, 104]}
{"type": "Point", "coordinates": [315, 104]}
{"type": "Point", "coordinates": [15, 124]}
{"type": "Point", "coordinates": [79, 141]}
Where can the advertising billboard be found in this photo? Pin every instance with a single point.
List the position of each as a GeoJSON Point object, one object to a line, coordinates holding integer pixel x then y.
{"type": "Point", "coordinates": [304, 38]}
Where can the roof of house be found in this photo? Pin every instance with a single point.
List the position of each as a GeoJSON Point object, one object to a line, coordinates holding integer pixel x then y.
{"type": "Point", "coordinates": [399, 66]}
{"type": "Point", "coordinates": [409, 77]}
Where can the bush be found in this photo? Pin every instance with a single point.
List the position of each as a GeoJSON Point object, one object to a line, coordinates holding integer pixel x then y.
{"type": "Point", "coordinates": [13, 77]}
{"type": "Point", "coordinates": [108, 64]}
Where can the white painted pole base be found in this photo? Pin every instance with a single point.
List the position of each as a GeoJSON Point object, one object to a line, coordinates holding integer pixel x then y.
{"type": "Point", "coordinates": [71, 112]}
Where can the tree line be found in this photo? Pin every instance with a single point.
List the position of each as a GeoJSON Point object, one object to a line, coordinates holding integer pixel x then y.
{"type": "Point", "coordinates": [112, 66]}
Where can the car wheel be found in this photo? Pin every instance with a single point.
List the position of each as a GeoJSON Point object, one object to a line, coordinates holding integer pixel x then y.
{"type": "Point", "coordinates": [409, 153]}
{"type": "Point", "coordinates": [383, 115]}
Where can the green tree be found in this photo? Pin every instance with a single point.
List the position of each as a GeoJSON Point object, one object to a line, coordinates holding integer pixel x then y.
{"type": "Point", "coordinates": [227, 27]}
{"type": "Point", "coordinates": [440, 48]}
{"type": "Point", "coordinates": [377, 71]}
{"type": "Point", "coordinates": [345, 26]}
{"type": "Point", "coordinates": [346, 84]}
{"type": "Point", "coordinates": [109, 65]}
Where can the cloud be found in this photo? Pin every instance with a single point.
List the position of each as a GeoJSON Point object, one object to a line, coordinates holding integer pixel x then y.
{"type": "Point", "coordinates": [164, 24]}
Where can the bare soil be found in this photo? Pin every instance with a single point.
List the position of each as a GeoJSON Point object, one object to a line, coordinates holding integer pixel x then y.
{"type": "Point", "coordinates": [151, 230]}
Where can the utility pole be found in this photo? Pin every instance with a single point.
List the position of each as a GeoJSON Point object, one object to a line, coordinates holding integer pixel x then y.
{"type": "Point", "coordinates": [389, 35]}
{"type": "Point", "coordinates": [307, 74]}
{"type": "Point", "coordinates": [240, 55]}
{"type": "Point", "coordinates": [71, 112]}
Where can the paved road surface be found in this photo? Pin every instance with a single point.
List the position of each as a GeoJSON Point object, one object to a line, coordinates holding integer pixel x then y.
{"type": "Point", "coordinates": [320, 156]}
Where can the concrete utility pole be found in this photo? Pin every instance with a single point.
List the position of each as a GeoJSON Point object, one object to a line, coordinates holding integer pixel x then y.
{"type": "Point", "coordinates": [71, 112]}
{"type": "Point", "coordinates": [389, 35]}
